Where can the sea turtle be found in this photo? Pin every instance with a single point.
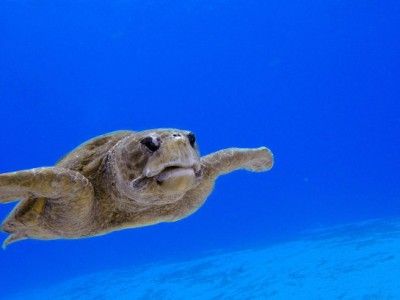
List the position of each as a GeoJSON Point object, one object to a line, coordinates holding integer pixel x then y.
{"type": "Point", "coordinates": [123, 179]}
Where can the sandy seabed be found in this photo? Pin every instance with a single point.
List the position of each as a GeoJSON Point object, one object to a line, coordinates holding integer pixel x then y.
{"type": "Point", "coordinates": [357, 261]}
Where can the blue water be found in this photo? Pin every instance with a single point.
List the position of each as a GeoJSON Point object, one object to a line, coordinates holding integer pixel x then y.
{"type": "Point", "coordinates": [315, 81]}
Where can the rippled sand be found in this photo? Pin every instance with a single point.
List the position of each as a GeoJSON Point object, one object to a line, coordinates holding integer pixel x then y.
{"type": "Point", "coordinates": [359, 261]}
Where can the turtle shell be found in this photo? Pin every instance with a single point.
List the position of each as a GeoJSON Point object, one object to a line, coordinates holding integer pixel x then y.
{"type": "Point", "coordinates": [86, 159]}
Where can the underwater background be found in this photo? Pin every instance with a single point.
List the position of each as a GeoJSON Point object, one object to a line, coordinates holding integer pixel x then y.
{"type": "Point", "coordinates": [318, 82]}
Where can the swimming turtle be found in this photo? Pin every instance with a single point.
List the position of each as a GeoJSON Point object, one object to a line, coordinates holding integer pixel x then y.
{"type": "Point", "coordinates": [123, 179]}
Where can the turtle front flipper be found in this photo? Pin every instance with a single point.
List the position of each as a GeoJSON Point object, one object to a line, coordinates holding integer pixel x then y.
{"type": "Point", "coordinates": [53, 183]}
{"type": "Point", "coordinates": [217, 164]}
{"type": "Point", "coordinates": [231, 159]}
{"type": "Point", "coordinates": [66, 196]}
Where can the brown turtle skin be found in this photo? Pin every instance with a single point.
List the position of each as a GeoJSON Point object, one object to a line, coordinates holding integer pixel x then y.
{"type": "Point", "coordinates": [120, 180]}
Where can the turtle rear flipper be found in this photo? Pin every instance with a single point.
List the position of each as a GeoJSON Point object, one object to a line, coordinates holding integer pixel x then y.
{"type": "Point", "coordinates": [12, 238]}
{"type": "Point", "coordinates": [62, 198]}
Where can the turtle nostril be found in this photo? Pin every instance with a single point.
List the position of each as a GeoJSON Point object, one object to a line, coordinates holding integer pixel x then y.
{"type": "Point", "coordinates": [150, 143]}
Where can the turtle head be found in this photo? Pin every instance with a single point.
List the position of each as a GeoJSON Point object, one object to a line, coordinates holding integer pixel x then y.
{"type": "Point", "coordinates": [158, 166]}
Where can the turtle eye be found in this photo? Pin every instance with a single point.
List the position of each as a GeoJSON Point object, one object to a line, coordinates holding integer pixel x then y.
{"type": "Point", "coordinates": [150, 144]}
{"type": "Point", "coordinates": [192, 139]}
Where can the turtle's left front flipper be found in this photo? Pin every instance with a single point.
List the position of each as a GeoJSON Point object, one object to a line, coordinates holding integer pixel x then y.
{"type": "Point", "coordinates": [231, 159]}
{"type": "Point", "coordinates": [52, 183]}
{"type": "Point", "coordinates": [217, 164]}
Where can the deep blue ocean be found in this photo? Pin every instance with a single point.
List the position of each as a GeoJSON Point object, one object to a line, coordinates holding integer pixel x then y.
{"type": "Point", "coordinates": [317, 82]}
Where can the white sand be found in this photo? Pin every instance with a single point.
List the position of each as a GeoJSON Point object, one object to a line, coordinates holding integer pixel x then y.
{"type": "Point", "coordinates": [360, 261]}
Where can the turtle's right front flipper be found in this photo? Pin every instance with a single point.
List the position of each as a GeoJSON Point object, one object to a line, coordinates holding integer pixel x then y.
{"type": "Point", "coordinates": [53, 183]}
{"type": "Point", "coordinates": [16, 186]}
{"type": "Point", "coordinates": [66, 196]}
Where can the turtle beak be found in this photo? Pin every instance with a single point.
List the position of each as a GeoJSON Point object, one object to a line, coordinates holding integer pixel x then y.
{"type": "Point", "coordinates": [148, 172]}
